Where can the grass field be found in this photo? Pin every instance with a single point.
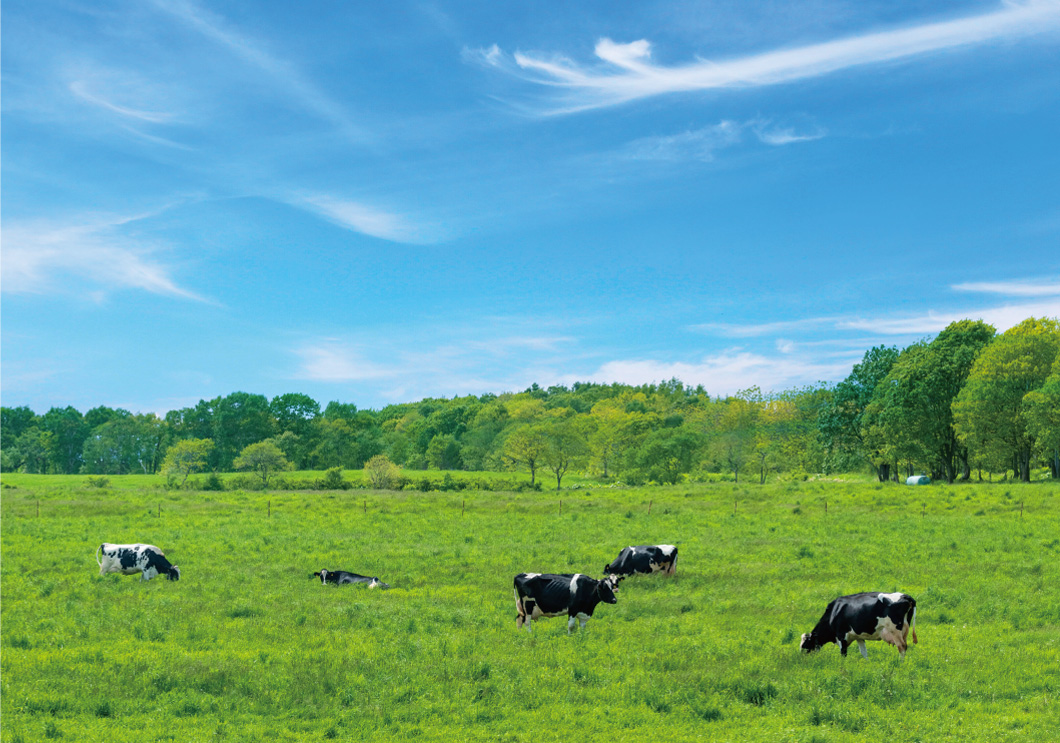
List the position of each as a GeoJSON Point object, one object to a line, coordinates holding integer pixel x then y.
{"type": "Point", "coordinates": [246, 648]}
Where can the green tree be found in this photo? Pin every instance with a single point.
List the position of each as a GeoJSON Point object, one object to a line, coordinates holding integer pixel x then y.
{"type": "Point", "coordinates": [186, 457]}
{"type": "Point", "coordinates": [443, 453]}
{"type": "Point", "coordinates": [264, 459]}
{"type": "Point", "coordinates": [668, 453]}
{"type": "Point", "coordinates": [14, 422]}
{"type": "Point", "coordinates": [1042, 410]}
{"type": "Point", "coordinates": [840, 423]}
{"type": "Point", "coordinates": [734, 430]}
{"type": "Point", "coordinates": [564, 447]}
{"type": "Point", "coordinates": [911, 409]}
{"type": "Point", "coordinates": [525, 447]}
{"type": "Point", "coordinates": [239, 419]}
{"type": "Point", "coordinates": [69, 432]}
{"type": "Point", "coordinates": [990, 411]}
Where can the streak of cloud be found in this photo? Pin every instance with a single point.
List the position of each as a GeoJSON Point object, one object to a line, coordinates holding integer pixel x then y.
{"type": "Point", "coordinates": [629, 73]}
{"type": "Point", "coordinates": [36, 254]}
{"type": "Point", "coordinates": [288, 79]}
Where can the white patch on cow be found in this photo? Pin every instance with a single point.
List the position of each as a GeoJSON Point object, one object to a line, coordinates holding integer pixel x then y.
{"type": "Point", "coordinates": [886, 630]}
{"type": "Point", "coordinates": [574, 584]}
{"type": "Point", "coordinates": [892, 597]}
{"type": "Point", "coordinates": [532, 575]}
{"type": "Point", "coordinates": [668, 549]}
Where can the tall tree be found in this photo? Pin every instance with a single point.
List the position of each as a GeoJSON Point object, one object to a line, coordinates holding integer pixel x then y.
{"type": "Point", "coordinates": [69, 432]}
{"type": "Point", "coordinates": [990, 411]}
{"type": "Point", "coordinates": [239, 420]}
{"type": "Point", "coordinates": [564, 447]}
{"type": "Point", "coordinates": [911, 409]}
{"type": "Point", "coordinates": [1042, 410]}
{"type": "Point", "coordinates": [841, 422]}
{"type": "Point", "coordinates": [525, 447]}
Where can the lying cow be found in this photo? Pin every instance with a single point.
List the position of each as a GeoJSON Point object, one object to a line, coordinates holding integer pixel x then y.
{"type": "Point", "coordinates": [865, 616]}
{"type": "Point", "coordinates": [547, 595]}
{"type": "Point", "coordinates": [145, 559]}
{"type": "Point", "coordinates": [647, 558]}
{"type": "Point", "coordinates": [341, 578]}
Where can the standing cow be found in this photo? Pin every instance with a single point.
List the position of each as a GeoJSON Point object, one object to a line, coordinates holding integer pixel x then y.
{"type": "Point", "coordinates": [865, 616]}
{"type": "Point", "coordinates": [341, 578]}
{"type": "Point", "coordinates": [127, 559]}
{"type": "Point", "coordinates": [646, 558]}
{"type": "Point", "coordinates": [548, 595]}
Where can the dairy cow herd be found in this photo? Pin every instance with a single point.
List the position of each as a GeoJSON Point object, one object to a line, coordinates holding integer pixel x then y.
{"type": "Point", "coordinates": [890, 617]}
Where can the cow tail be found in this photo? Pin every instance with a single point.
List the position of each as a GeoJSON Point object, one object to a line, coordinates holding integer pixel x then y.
{"type": "Point", "coordinates": [912, 624]}
{"type": "Point", "coordinates": [98, 551]}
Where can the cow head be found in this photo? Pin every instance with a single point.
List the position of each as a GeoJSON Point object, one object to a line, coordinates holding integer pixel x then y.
{"type": "Point", "coordinates": [173, 573]}
{"type": "Point", "coordinates": [607, 588]}
{"type": "Point", "coordinates": [810, 642]}
{"type": "Point", "coordinates": [323, 575]}
{"type": "Point", "coordinates": [376, 583]}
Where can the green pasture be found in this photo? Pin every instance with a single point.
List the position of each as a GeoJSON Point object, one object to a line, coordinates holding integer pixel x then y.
{"type": "Point", "coordinates": [246, 648]}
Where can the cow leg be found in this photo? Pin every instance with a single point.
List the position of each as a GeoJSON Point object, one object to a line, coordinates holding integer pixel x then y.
{"type": "Point", "coordinates": [583, 621]}
{"type": "Point", "coordinates": [570, 624]}
{"type": "Point", "coordinates": [863, 649]}
{"type": "Point", "coordinates": [528, 616]}
{"type": "Point", "coordinates": [843, 645]}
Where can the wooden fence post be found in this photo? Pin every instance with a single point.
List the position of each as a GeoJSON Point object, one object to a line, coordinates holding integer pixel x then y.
{"type": "Point", "coordinates": [649, 506]}
{"type": "Point", "coordinates": [461, 509]}
{"type": "Point", "coordinates": [159, 510]}
{"type": "Point", "coordinates": [270, 509]}
{"type": "Point", "coordinates": [38, 509]}
{"type": "Point", "coordinates": [826, 508]}
{"type": "Point", "coordinates": [366, 505]}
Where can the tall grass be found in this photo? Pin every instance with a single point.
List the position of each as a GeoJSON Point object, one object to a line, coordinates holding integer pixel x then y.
{"type": "Point", "coordinates": [245, 647]}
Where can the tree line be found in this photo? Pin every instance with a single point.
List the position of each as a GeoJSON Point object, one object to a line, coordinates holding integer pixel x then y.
{"type": "Point", "coordinates": [968, 400]}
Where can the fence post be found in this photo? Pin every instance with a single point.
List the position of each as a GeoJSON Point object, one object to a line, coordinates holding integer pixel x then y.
{"type": "Point", "coordinates": [826, 508]}
{"type": "Point", "coordinates": [38, 509]}
{"type": "Point", "coordinates": [733, 506]}
{"type": "Point", "coordinates": [649, 506]}
{"type": "Point", "coordinates": [159, 510]}
{"type": "Point", "coordinates": [366, 505]}
{"type": "Point", "coordinates": [270, 509]}
{"type": "Point", "coordinates": [461, 509]}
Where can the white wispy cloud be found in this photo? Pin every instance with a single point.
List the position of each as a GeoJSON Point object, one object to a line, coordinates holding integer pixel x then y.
{"type": "Point", "coordinates": [367, 219]}
{"type": "Point", "coordinates": [1002, 318]}
{"type": "Point", "coordinates": [701, 144]}
{"type": "Point", "coordinates": [628, 72]}
{"type": "Point", "coordinates": [1046, 288]}
{"type": "Point", "coordinates": [286, 76]}
{"type": "Point", "coordinates": [38, 254]}
{"type": "Point", "coordinates": [90, 92]}
{"type": "Point", "coordinates": [333, 361]}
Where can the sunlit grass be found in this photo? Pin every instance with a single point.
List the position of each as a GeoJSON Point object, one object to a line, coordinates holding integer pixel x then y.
{"type": "Point", "coordinates": [246, 647]}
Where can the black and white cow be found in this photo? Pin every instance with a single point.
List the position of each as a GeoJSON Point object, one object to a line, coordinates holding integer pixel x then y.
{"type": "Point", "coordinates": [646, 558]}
{"type": "Point", "coordinates": [865, 616]}
{"type": "Point", "coordinates": [548, 595]}
{"type": "Point", "coordinates": [341, 578]}
{"type": "Point", "coordinates": [145, 559]}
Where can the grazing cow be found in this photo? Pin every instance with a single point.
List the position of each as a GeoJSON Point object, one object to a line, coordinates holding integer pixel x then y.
{"type": "Point", "coordinates": [145, 559]}
{"type": "Point", "coordinates": [647, 558]}
{"type": "Point", "coordinates": [547, 595]}
{"type": "Point", "coordinates": [341, 577]}
{"type": "Point", "coordinates": [865, 616]}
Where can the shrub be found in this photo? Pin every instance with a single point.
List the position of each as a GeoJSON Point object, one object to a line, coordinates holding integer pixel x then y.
{"type": "Point", "coordinates": [213, 481]}
{"type": "Point", "coordinates": [97, 482]}
{"type": "Point", "coordinates": [333, 480]}
{"type": "Point", "coordinates": [381, 473]}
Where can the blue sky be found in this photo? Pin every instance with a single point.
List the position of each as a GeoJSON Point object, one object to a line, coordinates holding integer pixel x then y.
{"type": "Point", "coordinates": [380, 202]}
